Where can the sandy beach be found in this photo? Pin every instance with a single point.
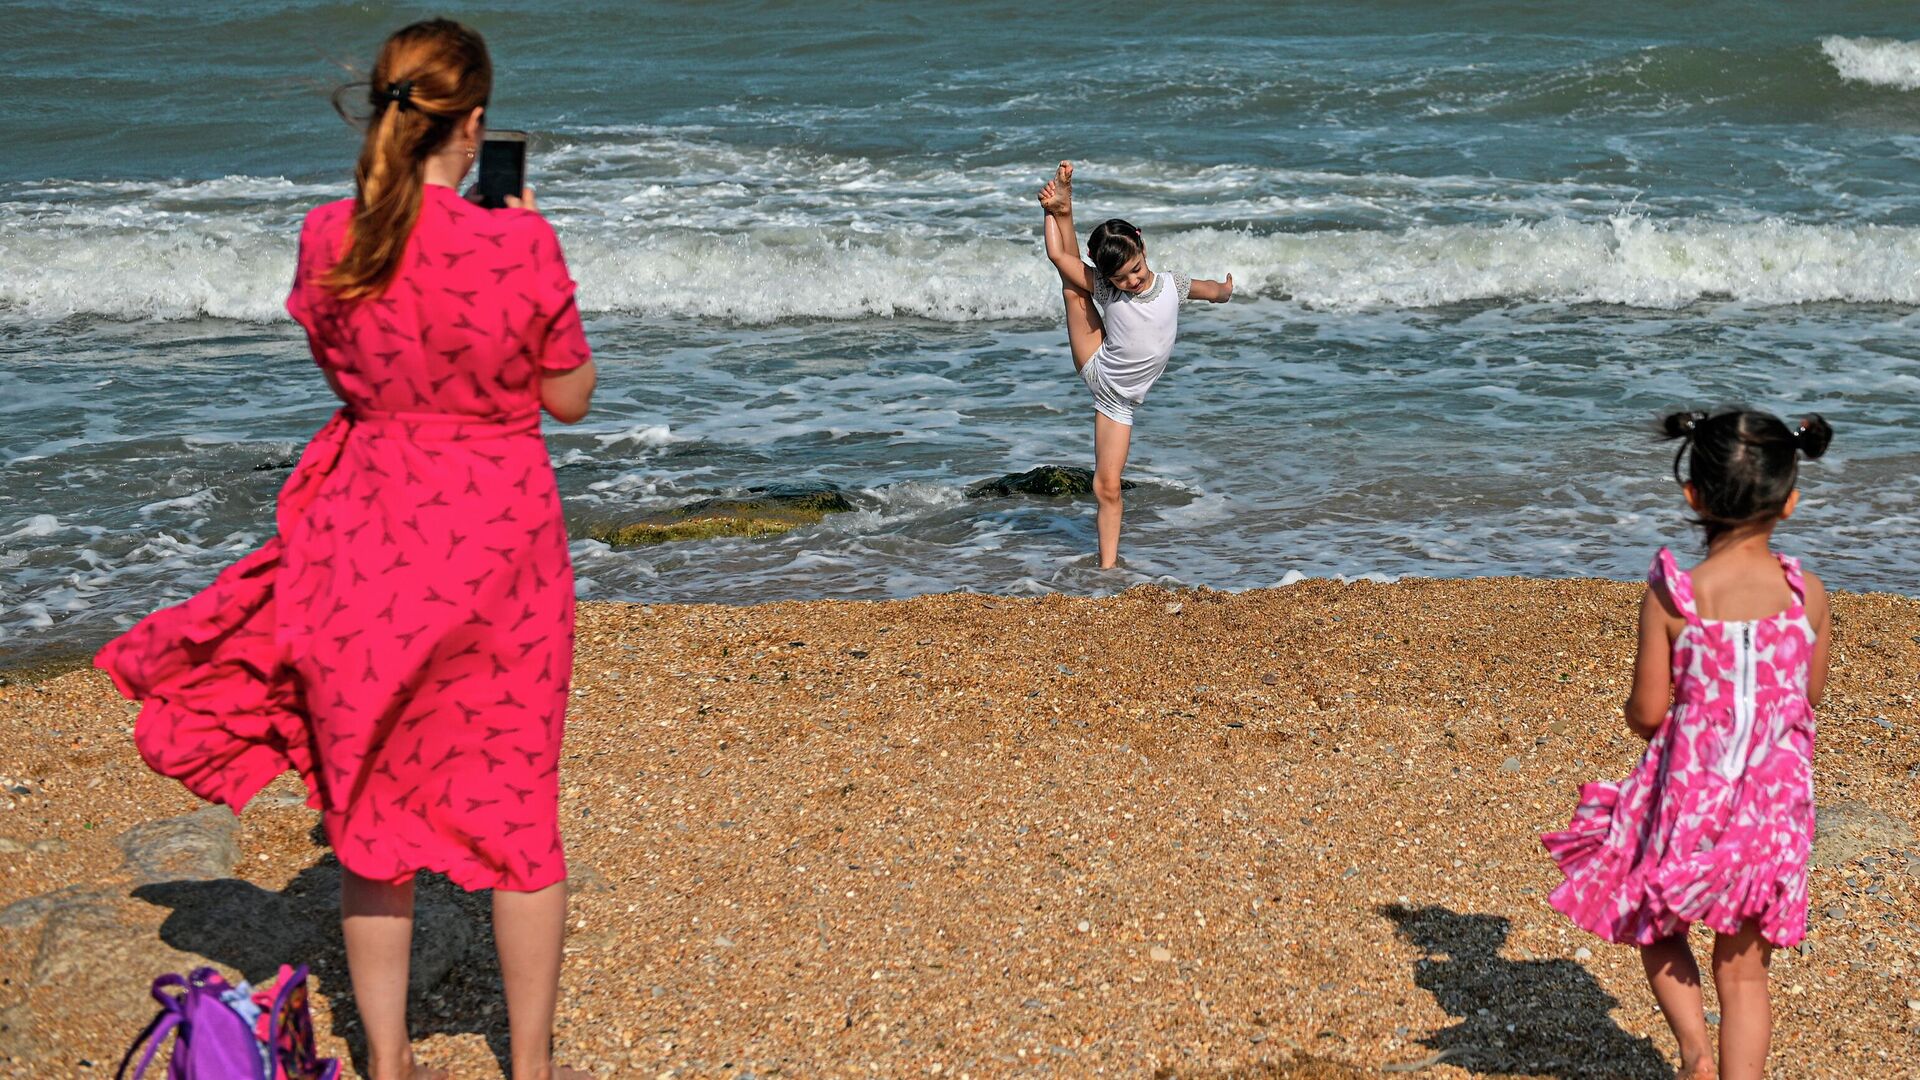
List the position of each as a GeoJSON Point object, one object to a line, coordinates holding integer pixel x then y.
{"type": "Point", "coordinates": [1277, 833]}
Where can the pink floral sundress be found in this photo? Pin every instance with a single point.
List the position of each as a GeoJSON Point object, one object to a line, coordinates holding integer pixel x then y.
{"type": "Point", "coordinates": [1715, 824]}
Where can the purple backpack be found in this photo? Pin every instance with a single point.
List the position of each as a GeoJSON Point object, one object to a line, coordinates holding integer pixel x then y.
{"type": "Point", "coordinates": [212, 1041]}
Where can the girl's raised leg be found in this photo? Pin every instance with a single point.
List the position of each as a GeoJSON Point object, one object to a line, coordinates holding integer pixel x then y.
{"type": "Point", "coordinates": [1740, 964]}
{"type": "Point", "coordinates": [1675, 978]}
{"type": "Point", "coordinates": [1111, 440]}
{"type": "Point", "coordinates": [376, 918]}
{"type": "Point", "coordinates": [1085, 331]}
{"type": "Point", "coordinates": [530, 929]}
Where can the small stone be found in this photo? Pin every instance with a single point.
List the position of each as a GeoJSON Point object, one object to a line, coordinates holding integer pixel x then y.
{"type": "Point", "coordinates": [1510, 765]}
{"type": "Point", "coordinates": [1085, 926]}
{"type": "Point", "coordinates": [1913, 1004]}
{"type": "Point", "coordinates": [1836, 912]}
{"type": "Point", "coordinates": [1159, 954]}
{"type": "Point", "coordinates": [1173, 608]}
{"type": "Point", "coordinates": [49, 846]}
{"type": "Point", "coordinates": [1712, 1017]}
{"type": "Point", "coordinates": [1583, 953]}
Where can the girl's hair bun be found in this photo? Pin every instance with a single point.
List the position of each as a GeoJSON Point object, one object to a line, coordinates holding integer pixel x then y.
{"type": "Point", "coordinates": [1813, 435]}
{"type": "Point", "coordinates": [1681, 425]}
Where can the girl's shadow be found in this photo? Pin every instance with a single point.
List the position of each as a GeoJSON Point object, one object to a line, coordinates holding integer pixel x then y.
{"type": "Point", "coordinates": [250, 930]}
{"type": "Point", "coordinates": [1530, 1017]}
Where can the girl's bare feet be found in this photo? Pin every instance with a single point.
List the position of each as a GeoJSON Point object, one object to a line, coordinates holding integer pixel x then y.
{"type": "Point", "coordinates": [1057, 196]}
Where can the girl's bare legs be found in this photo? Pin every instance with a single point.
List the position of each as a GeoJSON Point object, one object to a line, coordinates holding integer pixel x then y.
{"type": "Point", "coordinates": [1740, 964]}
{"type": "Point", "coordinates": [1111, 440]}
{"type": "Point", "coordinates": [377, 920]}
{"type": "Point", "coordinates": [530, 931]}
{"type": "Point", "coordinates": [1675, 979]}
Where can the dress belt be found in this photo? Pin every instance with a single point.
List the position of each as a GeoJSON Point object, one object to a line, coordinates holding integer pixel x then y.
{"type": "Point", "coordinates": [437, 426]}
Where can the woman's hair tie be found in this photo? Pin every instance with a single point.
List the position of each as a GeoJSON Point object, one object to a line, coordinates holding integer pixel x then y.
{"type": "Point", "coordinates": [400, 92]}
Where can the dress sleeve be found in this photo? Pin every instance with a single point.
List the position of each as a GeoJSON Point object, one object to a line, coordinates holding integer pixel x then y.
{"type": "Point", "coordinates": [307, 271]}
{"type": "Point", "coordinates": [1182, 282]}
{"type": "Point", "coordinates": [1103, 291]}
{"type": "Point", "coordinates": [558, 340]}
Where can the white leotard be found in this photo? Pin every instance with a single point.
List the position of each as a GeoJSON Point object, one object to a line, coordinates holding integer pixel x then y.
{"type": "Point", "coordinates": [1140, 330]}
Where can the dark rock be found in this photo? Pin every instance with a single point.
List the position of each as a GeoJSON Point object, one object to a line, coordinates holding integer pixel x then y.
{"type": "Point", "coordinates": [762, 511]}
{"type": "Point", "coordinates": [193, 847]}
{"type": "Point", "coordinates": [1046, 481]}
{"type": "Point", "coordinates": [269, 466]}
{"type": "Point", "coordinates": [1844, 831]}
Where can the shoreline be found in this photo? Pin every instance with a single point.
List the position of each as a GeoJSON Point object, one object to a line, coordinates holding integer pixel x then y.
{"type": "Point", "coordinates": [1280, 832]}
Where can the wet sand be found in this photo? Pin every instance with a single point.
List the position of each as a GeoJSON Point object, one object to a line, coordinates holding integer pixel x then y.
{"type": "Point", "coordinates": [1280, 833]}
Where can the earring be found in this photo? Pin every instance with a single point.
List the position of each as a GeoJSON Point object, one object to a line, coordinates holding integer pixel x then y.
{"type": "Point", "coordinates": [469, 153]}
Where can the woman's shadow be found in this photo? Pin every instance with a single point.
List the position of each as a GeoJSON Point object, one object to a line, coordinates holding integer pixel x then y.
{"type": "Point", "coordinates": [455, 971]}
{"type": "Point", "coordinates": [1527, 1017]}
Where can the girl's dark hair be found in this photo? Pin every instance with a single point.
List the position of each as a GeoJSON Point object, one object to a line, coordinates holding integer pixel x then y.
{"type": "Point", "coordinates": [428, 78]}
{"type": "Point", "coordinates": [1743, 464]}
{"type": "Point", "coordinates": [1113, 244]}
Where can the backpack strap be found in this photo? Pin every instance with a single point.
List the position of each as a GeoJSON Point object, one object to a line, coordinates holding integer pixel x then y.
{"type": "Point", "coordinates": [163, 1023]}
{"type": "Point", "coordinates": [1667, 574]}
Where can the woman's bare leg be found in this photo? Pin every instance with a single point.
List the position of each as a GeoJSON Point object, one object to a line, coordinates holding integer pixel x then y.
{"type": "Point", "coordinates": [1111, 440]}
{"type": "Point", "coordinates": [1740, 964]}
{"type": "Point", "coordinates": [530, 930]}
{"type": "Point", "coordinates": [376, 918]}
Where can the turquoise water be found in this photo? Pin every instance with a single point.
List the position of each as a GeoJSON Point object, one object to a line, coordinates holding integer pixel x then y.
{"type": "Point", "coordinates": [1478, 247]}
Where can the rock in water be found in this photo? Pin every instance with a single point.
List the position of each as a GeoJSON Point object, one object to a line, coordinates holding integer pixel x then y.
{"type": "Point", "coordinates": [1046, 481]}
{"type": "Point", "coordinates": [762, 511]}
{"type": "Point", "coordinates": [1844, 831]}
{"type": "Point", "coordinates": [199, 846]}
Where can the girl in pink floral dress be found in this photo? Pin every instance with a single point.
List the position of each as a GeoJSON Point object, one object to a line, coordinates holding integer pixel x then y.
{"type": "Point", "coordinates": [1715, 825]}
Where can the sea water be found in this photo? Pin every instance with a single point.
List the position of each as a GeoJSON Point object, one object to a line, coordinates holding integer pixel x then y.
{"type": "Point", "coordinates": [1478, 247]}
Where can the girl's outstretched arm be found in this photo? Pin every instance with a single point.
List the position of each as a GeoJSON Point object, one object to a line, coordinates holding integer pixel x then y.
{"type": "Point", "coordinates": [1218, 292]}
{"type": "Point", "coordinates": [1652, 690]}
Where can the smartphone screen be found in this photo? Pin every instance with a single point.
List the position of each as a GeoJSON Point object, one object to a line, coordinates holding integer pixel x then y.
{"type": "Point", "coordinates": [503, 167]}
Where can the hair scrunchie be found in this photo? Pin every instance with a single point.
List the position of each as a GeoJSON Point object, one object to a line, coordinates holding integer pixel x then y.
{"type": "Point", "coordinates": [399, 92]}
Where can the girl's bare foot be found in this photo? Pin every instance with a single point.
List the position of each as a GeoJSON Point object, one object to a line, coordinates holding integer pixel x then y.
{"type": "Point", "coordinates": [1057, 196]}
{"type": "Point", "coordinates": [1699, 1070]}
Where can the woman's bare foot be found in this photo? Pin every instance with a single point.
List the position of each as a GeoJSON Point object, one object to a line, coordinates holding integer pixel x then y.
{"type": "Point", "coordinates": [1057, 196]}
{"type": "Point", "coordinates": [1699, 1070]}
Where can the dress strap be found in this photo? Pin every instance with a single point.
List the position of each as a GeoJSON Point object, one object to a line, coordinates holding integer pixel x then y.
{"type": "Point", "coordinates": [1791, 567]}
{"type": "Point", "coordinates": [1666, 572]}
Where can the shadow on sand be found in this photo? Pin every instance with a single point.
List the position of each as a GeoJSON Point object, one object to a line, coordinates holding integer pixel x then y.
{"type": "Point", "coordinates": [248, 929]}
{"type": "Point", "coordinates": [1517, 1017]}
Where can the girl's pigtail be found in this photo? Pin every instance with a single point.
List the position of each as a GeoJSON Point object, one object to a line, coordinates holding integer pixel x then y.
{"type": "Point", "coordinates": [1813, 435]}
{"type": "Point", "coordinates": [1683, 426]}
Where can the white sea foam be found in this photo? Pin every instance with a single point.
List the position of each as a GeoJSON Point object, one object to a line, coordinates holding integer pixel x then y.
{"type": "Point", "coordinates": [771, 275]}
{"type": "Point", "coordinates": [1878, 61]}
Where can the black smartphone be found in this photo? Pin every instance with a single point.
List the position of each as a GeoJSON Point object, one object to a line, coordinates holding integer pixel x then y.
{"type": "Point", "coordinates": [503, 167]}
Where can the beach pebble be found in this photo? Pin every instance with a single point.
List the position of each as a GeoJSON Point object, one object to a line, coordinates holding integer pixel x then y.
{"type": "Point", "coordinates": [1583, 953]}
{"type": "Point", "coordinates": [1159, 954]}
{"type": "Point", "coordinates": [1511, 765]}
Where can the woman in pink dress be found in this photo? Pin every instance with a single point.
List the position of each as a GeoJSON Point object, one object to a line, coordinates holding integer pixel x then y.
{"type": "Point", "coordinates": [406, 640]}
{"type": "Point", "coordinates": [1715, 825]}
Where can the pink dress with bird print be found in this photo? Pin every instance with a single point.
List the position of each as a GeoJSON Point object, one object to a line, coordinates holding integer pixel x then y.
{"type": "Point", "coordinates": [406, 641]}
{"type": "Point", "coordinates": [1715, 825]}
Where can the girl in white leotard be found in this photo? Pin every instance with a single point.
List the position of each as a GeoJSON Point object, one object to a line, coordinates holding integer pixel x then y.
{"type": "Point", "coordinates": [1121, 354]}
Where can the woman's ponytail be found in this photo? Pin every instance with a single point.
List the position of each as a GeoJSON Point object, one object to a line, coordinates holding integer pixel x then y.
{"type": "Point", "coordinates": [429, 77]}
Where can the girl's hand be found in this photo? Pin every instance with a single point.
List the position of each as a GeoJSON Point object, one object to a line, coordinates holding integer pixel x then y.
{"type": "Point", "coordinates": [524, 202]}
